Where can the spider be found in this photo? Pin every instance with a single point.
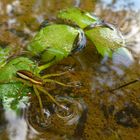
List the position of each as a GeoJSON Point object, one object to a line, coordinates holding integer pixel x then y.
{"type": "Point", "coordinates": [39, 85]}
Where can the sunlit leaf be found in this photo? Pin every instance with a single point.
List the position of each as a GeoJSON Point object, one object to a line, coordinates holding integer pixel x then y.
{"type": "Point", "coordinates": [53, 43]}
{"type": "Point", "coordinates": [77, 16]}
{"type": "Point", "coordinates": [105, 40]}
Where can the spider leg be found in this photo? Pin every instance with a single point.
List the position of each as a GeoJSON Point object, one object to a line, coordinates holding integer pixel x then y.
{"type": "Point", "coordinates": [22, 81]}
{"type": "Point", "coordinates": [40, 101]}
{"type": "Point", "coordinates": [53, 75]}
{"type": "Point", "coordinates": [57, 82]}
{"type": "Point", "coordinates": [51, 97]}
{"type": "Point", "coordinates": [20, 91]}
{"type": "Point", "coordinates": [24, 84]}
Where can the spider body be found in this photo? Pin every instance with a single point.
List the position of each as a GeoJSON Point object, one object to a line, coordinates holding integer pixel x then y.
{"type": "Point", "coordinates": [29, 76]}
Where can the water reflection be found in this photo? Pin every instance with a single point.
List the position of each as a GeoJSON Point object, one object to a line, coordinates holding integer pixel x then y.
{"type": "Point", "coordinates": [17, 127]}
{"type": "Point", "coordinates": [77, 3]}
{"type": "Point", "coordinates": [122, 4]}
{"type": "Point", "coordinates": [123, 57]}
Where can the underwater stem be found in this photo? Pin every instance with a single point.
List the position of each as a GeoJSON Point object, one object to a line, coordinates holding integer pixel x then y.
{"type": "Point", "coordinates": [124, 85]}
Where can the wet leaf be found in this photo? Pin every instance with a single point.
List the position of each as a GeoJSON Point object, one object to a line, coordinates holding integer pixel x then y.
{"type": "Point", "coordinates": [12, 91]}
{"type": "Point", "coordinates": [105, 39]}
{"type": "Point", "coordinates": [53, 43]}
{"type": "Point", "coordinates": [77, 16]}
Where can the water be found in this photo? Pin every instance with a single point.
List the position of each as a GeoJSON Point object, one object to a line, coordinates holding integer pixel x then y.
{"type": "Point", "coordinates": [95, 113]}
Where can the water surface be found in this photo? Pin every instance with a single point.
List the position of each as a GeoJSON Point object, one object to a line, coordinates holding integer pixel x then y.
{"type": "Point", "coordinates": [98, 114]}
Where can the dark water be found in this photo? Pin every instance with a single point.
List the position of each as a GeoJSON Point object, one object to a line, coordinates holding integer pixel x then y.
{"type": "Point", "coordinates": [97, 113]}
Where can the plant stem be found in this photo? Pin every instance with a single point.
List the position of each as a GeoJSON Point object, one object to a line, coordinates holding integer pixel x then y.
{"type": "Point", "coordinates": [43, 67]}
{"type": "Point", "coordinates": [124, 85]}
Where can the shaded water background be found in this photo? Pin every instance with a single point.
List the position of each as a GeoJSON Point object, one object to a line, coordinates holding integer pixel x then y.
{"type": "Point", "coordinates": [106, 115]}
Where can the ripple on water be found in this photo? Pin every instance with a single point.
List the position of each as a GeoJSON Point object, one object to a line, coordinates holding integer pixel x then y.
{"type": "Point", "coordinates": [68, 117]}
{"type": "Point", "coordinates": [74, 110]}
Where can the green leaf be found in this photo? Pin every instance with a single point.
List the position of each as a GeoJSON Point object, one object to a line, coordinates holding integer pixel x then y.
{"type": "Point", "coordinates": [77, 16]}
{"type": "Point", "coordinates": [53, 43]}
{"type": "Point", "coordinates": [105, 40]}
{"type": "Point", "coordinates": [8, 72]}
{"type": "Point", "coordinates": [11, 96]}
{"type": "Point", "coordinates": [12, 92]}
